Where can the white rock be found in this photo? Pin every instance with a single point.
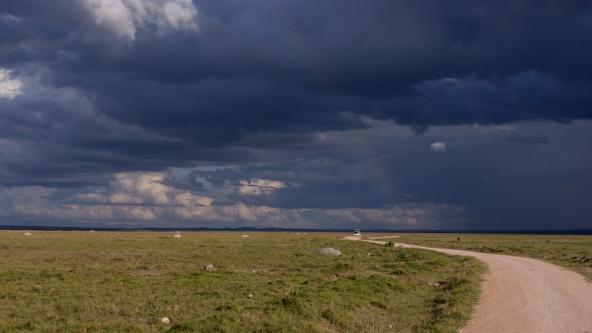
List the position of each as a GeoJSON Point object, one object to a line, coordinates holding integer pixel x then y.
{"type": "Point", "coordinates": [209, 268]}
{"type": "Point", "coordinates": [165, 320]}
{"type": "Point", "coordinates": [28, 234]}
{"type": "Point", "coordinates": [250, 295]}
{"type": "Point", "coordinates": [178, 235]}
{"type": "Point", "coordinates": [329, 251]}
{"type": "Point", "coordinates": [245, 236]}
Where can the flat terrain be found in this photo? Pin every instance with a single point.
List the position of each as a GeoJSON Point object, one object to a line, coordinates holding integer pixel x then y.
{"type": "Point", "coordinates": [528, 295]}
{"type": "Point", "coordinates": [267, 282]}
{"type": "Point", "coordinates": [573, 252]}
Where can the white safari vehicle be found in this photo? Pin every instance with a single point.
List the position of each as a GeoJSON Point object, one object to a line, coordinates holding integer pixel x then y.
{"type": "Point", "coordinates": [357, 233]}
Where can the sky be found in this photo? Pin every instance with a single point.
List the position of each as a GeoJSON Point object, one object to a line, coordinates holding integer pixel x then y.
{"type": "Point", "coordinates": [388, 114]}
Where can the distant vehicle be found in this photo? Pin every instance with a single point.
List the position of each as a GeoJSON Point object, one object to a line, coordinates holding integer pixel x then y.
{"type": "Point", "coordinates": [357, 233]}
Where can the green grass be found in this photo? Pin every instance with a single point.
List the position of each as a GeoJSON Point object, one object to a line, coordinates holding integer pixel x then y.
{"type": "Point", "coordinates": [125, 282]}
{"type": "Point", "coordinates": [573, 252]}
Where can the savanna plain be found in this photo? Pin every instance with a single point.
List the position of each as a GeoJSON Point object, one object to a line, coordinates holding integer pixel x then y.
{"type": "Point", "coordinates": [266, 282]}
{"type": "Point", "coordinates": [261, 282]}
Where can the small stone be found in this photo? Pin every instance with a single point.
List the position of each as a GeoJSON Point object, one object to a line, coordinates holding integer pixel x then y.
{"type": "Point", "coordinates": [329, 251]}
{"type": "Point", "coordinates": [244, 236]}
{"type": "Point", "coordinates": [209, 268]}
{"type": "Point", "coordinates": [165, 320]}
{"type": "Point", "coordinates": [28, 234]}
{"type": "Point", "coordinates": [177, 235]}
{"type": "Point", "coordinates": [250, 295]}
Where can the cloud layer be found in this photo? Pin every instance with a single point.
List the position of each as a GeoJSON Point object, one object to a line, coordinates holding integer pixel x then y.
{"type": "Point", "coordinates": [280, 112]}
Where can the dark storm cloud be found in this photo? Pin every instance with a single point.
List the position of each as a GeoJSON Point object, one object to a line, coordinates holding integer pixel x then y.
{"type": "Point", "coordinates": [285, 90]}
{"type": "Point", "coordinates": [296, 65]}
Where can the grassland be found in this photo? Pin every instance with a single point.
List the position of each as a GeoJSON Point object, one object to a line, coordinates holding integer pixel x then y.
{"type": "Point", "coordinates": [573, 252]}
{"type": "Point", "coordinates": [268, 282]}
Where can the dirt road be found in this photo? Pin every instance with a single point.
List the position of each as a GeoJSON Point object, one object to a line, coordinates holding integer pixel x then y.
{"type": "Point", "coordinates": [527, 295]}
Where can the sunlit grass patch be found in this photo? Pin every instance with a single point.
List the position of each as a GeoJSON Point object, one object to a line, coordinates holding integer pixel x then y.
{"type": "Point", "coordinates": [574, 252]}
{"type": "Point", "coordinates": [268, 282]}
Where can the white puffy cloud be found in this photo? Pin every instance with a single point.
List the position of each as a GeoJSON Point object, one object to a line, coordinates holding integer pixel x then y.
{"type": "Point", "coordinates": [139, 196]}
{"type": "Point", "coordinates": [260, 187]}
{"type": "Point", "coordinates": [188, 199]}
{"type": "Point", "coordinates": [124, 18]}
{"type": "Point", "coordinates": [143, 188]}
{"type": "Point", "coordinates": [146, 187]}
{"type": "Point", "coordinates": [9, 87]}
{"type": "Point", "coordinates": [146, 198]}
{"type": "Point", "coordinates": [439, 147]}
